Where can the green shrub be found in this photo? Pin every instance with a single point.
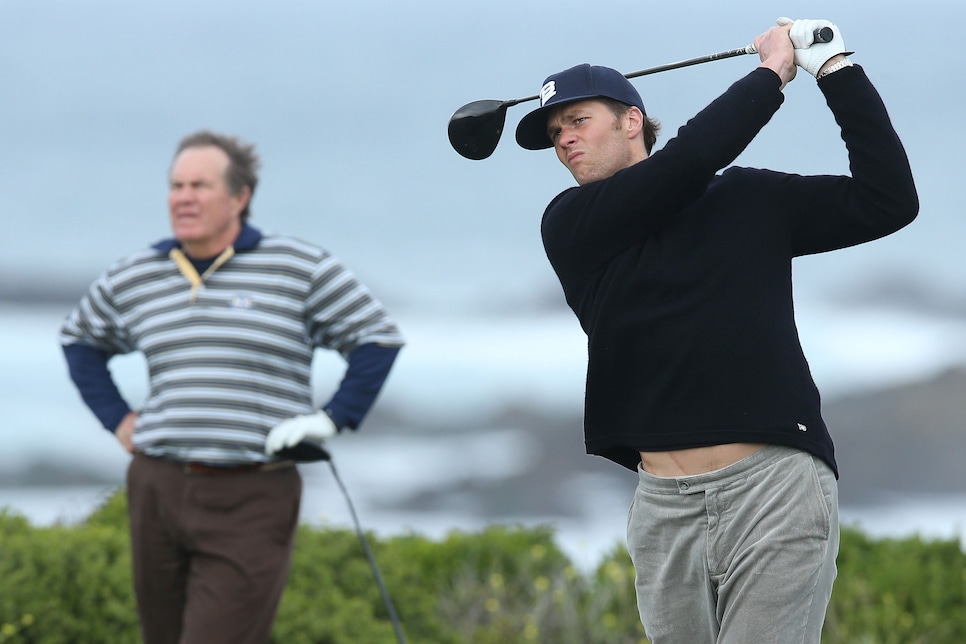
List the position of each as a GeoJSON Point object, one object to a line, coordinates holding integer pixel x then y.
{"type": "Point", "coordinates": [65, 584]}
{"type": "Point", "coordinates": [501, 585]}
{"type": "Point", "coordinates": [898, 591]}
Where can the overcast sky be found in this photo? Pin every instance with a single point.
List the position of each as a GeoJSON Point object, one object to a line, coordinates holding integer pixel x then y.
{"type": "Point", "coordinates": [348, 104]}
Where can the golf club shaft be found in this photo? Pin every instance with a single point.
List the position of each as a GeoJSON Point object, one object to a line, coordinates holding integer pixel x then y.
{"type": "Point", "coordinates": [824, 34]}
{"type": "Point", "coordinates": [750, 49]}
{"type": "Point", "coordinates": [397, 627]}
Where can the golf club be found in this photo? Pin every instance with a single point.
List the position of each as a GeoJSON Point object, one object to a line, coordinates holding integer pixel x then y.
{"type": "Point", "coordinates": [393, 618]}
{"type": "Point", "coordinates": [475, 129]}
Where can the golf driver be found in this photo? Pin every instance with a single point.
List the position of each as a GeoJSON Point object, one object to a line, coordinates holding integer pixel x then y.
{"type": "Point", "coordinates": [475, 128]}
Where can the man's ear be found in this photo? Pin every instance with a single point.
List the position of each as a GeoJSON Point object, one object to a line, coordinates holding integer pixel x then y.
{"type": "Point", "coordinates": [634, 122]}
{"type": "Point", "coordinates": [242, 198]}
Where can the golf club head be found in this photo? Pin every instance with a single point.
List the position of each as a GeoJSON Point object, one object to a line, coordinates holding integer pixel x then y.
{"type": "Point", "coordinates": [475, 128]}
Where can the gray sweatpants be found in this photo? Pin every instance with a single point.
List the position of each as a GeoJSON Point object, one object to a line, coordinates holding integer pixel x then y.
{"type": "Point", "coordinates": [742, 555]}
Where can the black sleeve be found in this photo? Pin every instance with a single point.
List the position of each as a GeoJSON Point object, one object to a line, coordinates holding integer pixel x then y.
{"type": "Point", "coordinates": [589, 225]}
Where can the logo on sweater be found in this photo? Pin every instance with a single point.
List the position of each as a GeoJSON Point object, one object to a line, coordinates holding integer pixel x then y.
{"type": "Point", "coordinates": [242, 302]}
{"type": "Point", "coordinates": [802, 428]}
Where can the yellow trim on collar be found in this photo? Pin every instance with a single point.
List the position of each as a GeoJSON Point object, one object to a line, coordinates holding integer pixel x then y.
{"type": "Point", "coordinates": [191, 274]}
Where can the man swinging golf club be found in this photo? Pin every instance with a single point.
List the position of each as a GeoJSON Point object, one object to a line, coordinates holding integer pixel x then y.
{"type": "Point", "coordinates": [681, 278]}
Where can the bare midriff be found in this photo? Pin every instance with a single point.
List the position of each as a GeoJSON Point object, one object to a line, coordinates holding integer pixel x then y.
{"type": "Point", "coordinates": [696, 460]}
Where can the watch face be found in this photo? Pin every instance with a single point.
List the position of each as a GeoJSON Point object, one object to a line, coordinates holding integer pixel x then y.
{"type": "Point", "coordinates": [304, 452]}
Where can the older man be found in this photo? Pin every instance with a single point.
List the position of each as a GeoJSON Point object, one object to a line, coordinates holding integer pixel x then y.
{"type": "Point", "coordinates": [228, 319]}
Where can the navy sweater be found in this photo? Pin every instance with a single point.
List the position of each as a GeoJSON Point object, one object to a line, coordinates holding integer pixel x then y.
{"type": "Point", "coordinates": [682, 277]}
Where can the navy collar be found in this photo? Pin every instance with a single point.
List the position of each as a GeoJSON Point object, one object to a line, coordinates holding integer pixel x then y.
{"type": "Point", "coordinates": [248, 239]}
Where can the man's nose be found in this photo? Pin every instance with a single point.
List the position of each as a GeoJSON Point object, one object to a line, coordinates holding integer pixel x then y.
{"type": "Point", "coordinates": [566, 137]}
{"type": "Point", "coordinates": [184, 193]}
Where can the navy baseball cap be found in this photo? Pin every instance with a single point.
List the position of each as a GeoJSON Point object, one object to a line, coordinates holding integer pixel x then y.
{"type": "Point", "coordinates": [575, 84]}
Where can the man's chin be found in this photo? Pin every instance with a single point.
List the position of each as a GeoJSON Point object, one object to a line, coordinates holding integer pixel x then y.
{"type": "Point", "coordinates": [577, 175]}
{"type": "Point", "coordinates": [186, 234]}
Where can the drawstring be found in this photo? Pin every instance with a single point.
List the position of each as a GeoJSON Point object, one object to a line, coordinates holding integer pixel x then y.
{"type": "Point", "coordinates": [188, 270]}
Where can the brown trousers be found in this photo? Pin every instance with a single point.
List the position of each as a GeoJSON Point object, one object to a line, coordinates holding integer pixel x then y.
{"type": "Point", "coordinates": [210, 552]}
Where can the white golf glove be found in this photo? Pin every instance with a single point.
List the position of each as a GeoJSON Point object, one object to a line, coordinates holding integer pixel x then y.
{"type": "Point", "coordinates": [292, 431]}
{"type": "Point", "coordinates": [811, 55]}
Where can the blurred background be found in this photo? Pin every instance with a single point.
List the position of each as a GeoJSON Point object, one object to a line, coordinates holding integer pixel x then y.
{"type": "Point", "coordinates": [348, 104]}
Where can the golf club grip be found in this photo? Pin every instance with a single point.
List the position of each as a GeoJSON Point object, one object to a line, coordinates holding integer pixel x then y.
{"type": "Point", "coordinates": [824, 34]}
{"type": "Point", "coordinates": [820, 35]}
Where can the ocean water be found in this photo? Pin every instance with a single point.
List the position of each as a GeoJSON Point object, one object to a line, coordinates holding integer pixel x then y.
{"type": "Point", "coordinates": [460, 367]}
{"type": "Point", "coordinates": [455, 371]}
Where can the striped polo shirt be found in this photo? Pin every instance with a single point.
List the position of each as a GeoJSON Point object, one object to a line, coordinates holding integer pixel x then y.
{"type": "Point", "coordinates": [230, 357]}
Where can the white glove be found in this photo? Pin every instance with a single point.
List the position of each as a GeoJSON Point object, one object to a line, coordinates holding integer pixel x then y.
{"type": "Point", "coordinates": [811, 55]}
{"type": "Point", "coordinates": [292, 431]}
